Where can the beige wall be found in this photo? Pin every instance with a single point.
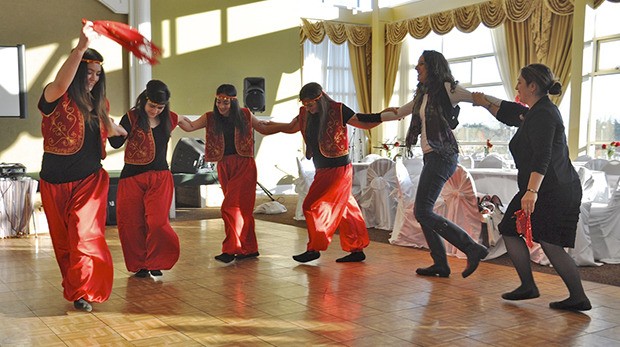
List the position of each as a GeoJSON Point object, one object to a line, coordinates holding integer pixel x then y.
{"type": "Point", "coordinates": [206, 43]}
{"type": "Point", "coordinates": [209, 43]}
{"type": "Point", "coordinates": [48, 30]}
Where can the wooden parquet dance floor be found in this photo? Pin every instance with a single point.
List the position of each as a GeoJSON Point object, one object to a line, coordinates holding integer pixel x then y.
{"type": "Point", "coordinates": [274, 301]}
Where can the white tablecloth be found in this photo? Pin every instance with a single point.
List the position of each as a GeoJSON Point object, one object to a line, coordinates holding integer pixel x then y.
{"type": "Point", "coordinates": [500, 182]}
{"type": "Point", "coordinates": [16, 205]}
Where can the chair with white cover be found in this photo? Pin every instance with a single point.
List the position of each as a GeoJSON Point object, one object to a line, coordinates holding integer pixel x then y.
{"type": "Point", "coordinates": [583, 252]}
{"type": "Point", "coordinates": [605, 229]}
{"type": "Point", "coordinates": [467, 161]}
{"type": "Point", "coordinates": [369, 158]}
{"type": "Point", "coordinates": [413, 166]}
{"type": "Point", "coordinates": [596, 164]}
{"type": "Point", "coordinates": [583, 158]}
{"type": "Point", "coordinates": [461, 206]}
{"type": "Point", "coordinates": [491, 161]}
{"type": "Point", "coordinates": [458, 203]}
{"type": "Point", "coordinates": [306, 172]}
{"type": "Point", "coordinates": [379, 199]}
{"type": "Point", "coordinates": [612, 171]}
{"type": "Point", "coordinates": [407, 231]}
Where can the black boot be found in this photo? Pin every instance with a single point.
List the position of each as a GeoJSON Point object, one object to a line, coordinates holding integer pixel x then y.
{"type": "Point", "coordinates": [433, 271]}
{"type": "Point", "coordinates": [440, 267]}
{"type": "Point", "coordinates": [461, 240]}
{"type": "Point", "coordinates": [473, 259]}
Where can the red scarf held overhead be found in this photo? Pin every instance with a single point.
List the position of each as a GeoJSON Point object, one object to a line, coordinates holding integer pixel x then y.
{"type": "Point", "coordinates": [128, 37]}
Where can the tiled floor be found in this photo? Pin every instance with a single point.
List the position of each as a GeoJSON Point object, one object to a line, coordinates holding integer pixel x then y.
{"type": "Point", "coordinates": [274, 301]}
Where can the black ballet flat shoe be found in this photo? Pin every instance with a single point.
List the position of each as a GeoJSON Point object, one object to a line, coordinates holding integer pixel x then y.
{"type": "Point", "coordinates": [352, 258]}
{"type": "Point", "coordinates": [474, 259]}
{"type": "Point", "coordinates": [433, 271]}
{"type": "Point", "coordinates": [517, 294]}
{"type": "Point", "coordinates": [82, 305]}
{"type": "Point", "coordinates": [246, 256]}
{"type": "Point", "coordinates": [225, 257]}
{"type": "Point", "coordinates": [142, 273]}
{"type": "Point", "coordinates": [156, 273]}
{"type": "Point", "coordinates": [307, 256]}
{"type": "Point", "coordinates": [584, 305]}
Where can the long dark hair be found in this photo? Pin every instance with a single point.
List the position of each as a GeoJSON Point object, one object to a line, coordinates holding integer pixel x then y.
{"type": "Point", "coordinates": [96, 98]}
{"type": "Point", "coordinates": [235, 113]}
{"type": "Point", "coordinates": [437, 74]}
{"type": "Point", "coordinates": [157, 92]}
{"type": "Point", "coordinates": [311, 91]}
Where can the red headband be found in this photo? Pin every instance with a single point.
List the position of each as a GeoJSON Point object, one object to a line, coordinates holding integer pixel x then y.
{"type": "Point", "coordinates": [88, 61]}
{"type": "Point", "coordinates": [225, 97]}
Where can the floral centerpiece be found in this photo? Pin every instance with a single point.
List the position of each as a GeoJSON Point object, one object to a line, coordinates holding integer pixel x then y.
{"type": "Point", "coordinates": [487, 147]}
{"type": "Point", "coordinates": [391, 146]}
{"type": "Point", "coordinates": [611, 148]}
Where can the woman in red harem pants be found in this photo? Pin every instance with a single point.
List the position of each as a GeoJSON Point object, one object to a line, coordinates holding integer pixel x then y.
{"type": "Point", "coordinates": [229, 141]}
{"type": "Point", "coordinates": [329, 204]}
{"type": "Point", "coordinates": [74, 185]}
{"type": "Point", "coordinates": [146, 186]}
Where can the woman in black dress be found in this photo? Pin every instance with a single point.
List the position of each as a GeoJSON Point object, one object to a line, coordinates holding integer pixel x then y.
{"type": "Point", "coordinates": [549, 187]}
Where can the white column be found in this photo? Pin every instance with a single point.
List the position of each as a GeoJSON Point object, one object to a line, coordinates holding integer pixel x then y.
{"type": "Point", "coordinates": [139, 71]}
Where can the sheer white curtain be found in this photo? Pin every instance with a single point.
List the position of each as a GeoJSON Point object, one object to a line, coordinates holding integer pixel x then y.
{"type": "Point", "coordinates": [501, 56]}
{"type": "Point", "coordinates": [328, 64]}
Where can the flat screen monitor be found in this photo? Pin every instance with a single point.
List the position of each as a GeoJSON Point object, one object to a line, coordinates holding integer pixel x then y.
{"type": "Point", "coordinates": [13, 81]}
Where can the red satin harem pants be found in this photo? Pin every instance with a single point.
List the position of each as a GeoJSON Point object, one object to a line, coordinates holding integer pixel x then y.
{"type": "Point", "coordinates": [142, 209]}
{"type": "Point", "coordinates": [330, 205]}
{"type": "Point", "coordinates": [237, 176]}
{"type": "Point", "coordinates": [76, 213]}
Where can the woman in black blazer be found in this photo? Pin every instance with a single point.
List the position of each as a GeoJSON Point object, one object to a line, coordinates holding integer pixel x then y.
{"type": "Point", "coordinates": [549, 187]}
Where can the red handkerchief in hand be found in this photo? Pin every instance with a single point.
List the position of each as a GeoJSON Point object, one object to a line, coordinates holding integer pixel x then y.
{"type": "Point", "coordinates": [128, 37]}
{"type": "Point", "coordinates": [524, 227]}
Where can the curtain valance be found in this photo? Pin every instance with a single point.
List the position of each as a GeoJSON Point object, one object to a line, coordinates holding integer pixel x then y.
{"type": "Point", "coordinates": [490, 13]}
{"type": "Point", "coordinates": [338, 33]}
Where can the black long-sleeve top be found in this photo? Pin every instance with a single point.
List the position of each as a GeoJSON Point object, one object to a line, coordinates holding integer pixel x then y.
{"type": "Point", "coordinates": [540, 143]}
{"type": "Point", "coordinates": [159, 163]}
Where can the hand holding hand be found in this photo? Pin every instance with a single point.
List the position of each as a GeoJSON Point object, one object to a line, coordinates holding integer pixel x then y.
{"type": "Point", "coordinates": [390, 115]}
{"type": "Point", "coordinates": [391, 109]}
{"type": "Point", "coordinates": [479, 99]}
{"type": "Point", "coordinates": [117, 130]}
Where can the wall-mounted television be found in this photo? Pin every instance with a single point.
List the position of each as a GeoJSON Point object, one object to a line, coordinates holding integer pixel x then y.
{"type": "Point", "coordinates": [13, 81]}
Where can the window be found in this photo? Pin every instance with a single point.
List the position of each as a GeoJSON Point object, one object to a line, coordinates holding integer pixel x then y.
{"type": "Point", "coordinates": [475, 67]}
{"type": "Point", "coordinates": [328, 65]}
{"type": "Point", "coordinates": [601, 76]}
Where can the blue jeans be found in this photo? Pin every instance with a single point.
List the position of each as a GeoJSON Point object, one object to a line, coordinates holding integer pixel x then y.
{"type": "Point", "coordinates": [436, 171]}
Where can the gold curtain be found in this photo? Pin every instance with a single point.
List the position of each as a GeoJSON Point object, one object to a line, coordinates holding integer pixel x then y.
{"type": "Point", "coordinates": [392, 59]}
{"type": "Point", "coordinates": [528, 30]}
{"type": "Point", "coordinates": [358, 39]}
{"type": "Point", "coordinates": [360, 57]}
{"type": "Point", "coordinates": [491, 13]}
{"type": "Point", "coordinates": [533, 41]}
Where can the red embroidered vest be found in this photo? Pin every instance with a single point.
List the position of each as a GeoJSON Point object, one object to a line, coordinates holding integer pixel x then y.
{"type": "Point", "coordinates": [140, 148]}
{"type": "Point", "coordinates": [63, 129]}
{"type": "Point", "coordinates": [333, 140]}
{"type": "Point", "coordinates": [214, 143]}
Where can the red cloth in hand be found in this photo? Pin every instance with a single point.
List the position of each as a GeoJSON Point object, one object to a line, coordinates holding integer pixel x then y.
{"type": "Point", "coordinates": [524, 227]}
{"type": "Point", "coordinates": [128, 37]}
